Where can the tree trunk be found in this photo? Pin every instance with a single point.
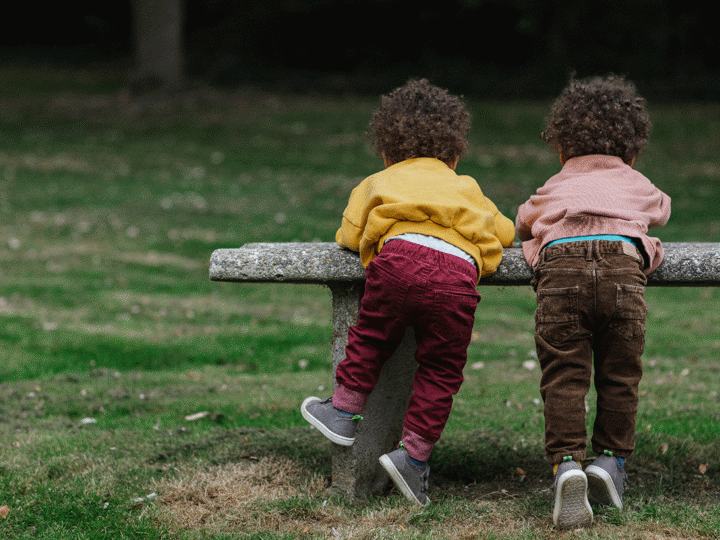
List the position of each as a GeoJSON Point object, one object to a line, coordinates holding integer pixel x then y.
{"type": "Point", "coordinates": [157, 26]}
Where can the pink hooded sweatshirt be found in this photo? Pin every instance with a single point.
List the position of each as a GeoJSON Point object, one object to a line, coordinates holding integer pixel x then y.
{"type": "Point", "coordinates": [594, 194]}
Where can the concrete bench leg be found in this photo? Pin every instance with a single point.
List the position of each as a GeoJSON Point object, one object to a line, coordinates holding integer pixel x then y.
{"type": "Point", "coordinates": [355, 469]}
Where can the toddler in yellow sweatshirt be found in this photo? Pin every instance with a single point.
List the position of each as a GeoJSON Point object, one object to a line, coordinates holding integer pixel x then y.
{"type": "Point", "coordinates": [426, 235]}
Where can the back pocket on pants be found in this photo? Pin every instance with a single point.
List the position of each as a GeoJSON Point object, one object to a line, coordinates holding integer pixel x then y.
{"type": "Point", "coordinates": [628, 321]}
{"type": "Point", "coordinates": [557, 317]}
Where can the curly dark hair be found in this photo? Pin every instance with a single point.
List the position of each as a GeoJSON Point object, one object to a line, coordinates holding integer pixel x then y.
{"type": "Point", "coordinates": [598, 116]}
{"type": "Point", "coordinates": [420, 120]}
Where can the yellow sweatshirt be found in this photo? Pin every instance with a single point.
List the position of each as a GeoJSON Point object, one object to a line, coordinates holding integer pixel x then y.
{"type": "Point", "coordinates": [425, 196]}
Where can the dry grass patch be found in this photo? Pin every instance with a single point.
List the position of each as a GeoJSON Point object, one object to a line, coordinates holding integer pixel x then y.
{"type": "Point", "coordinates": [228, 498]}
{"type": "Point", "coordinates": [269, 494]}
{"type": "Point", "coordinates": [275, 495]}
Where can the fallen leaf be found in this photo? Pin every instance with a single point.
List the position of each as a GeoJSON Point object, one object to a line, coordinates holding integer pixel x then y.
{"type": "Point", "coordinates": [196, 416]}
{"type": "Point", "coordinates": [664, 448]}
{"type": "Point", "coordinates": [703, 468]}
{"type": "Point", "coordinates": [4, 511]}
{"type": "Point", "coordinates": [521, 473]}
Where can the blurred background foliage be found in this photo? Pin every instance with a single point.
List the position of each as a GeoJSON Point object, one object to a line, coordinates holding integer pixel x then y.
{"type": "Point", "coordinates": [482, 48]}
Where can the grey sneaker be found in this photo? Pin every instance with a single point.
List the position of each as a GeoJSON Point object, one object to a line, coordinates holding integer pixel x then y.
{"type": "Point", "coordinates": [410, 479]}
{"type": "Point", "coordinates": [572, 509]}
{"type": "Point", "coordinates": [337, 427]}
{"type": "Point", "coordinates": [606, 481]}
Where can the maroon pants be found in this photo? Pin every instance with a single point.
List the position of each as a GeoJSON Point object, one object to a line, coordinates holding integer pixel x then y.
{"type": "Point", "coordinates": [435, 294]}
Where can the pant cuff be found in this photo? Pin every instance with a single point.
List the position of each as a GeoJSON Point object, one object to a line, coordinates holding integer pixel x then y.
{"type": "Point", "coordinates": [349, 400]}
{"type": "Point", "coordinates": [417, 447]}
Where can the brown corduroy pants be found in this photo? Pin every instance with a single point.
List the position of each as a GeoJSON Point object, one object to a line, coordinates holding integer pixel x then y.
{"type": "Point", "coordinates": [590, 313]}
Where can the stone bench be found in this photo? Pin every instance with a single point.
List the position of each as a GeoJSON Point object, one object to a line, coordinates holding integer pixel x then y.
{"type": "Point", "coordinates": [355, 469]}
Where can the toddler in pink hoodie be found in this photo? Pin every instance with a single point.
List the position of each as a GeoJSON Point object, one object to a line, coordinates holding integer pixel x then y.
{"type": "Point", "coordinates": [585, 235]}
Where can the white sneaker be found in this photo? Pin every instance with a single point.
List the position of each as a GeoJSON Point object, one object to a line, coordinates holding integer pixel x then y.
{"type": "Point", "coordinates": [572, 509]}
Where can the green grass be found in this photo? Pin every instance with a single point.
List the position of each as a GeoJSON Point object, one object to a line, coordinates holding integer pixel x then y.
{"type": "Point", "coordinates": [112, 336]}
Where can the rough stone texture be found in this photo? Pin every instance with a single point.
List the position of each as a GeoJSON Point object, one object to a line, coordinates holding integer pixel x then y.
{"type": "Point", "coordinates": [292, 262]}
{"type": "Point", "coordinates": [685, 264]}
{"type": "Point", "coordinates": [688, 264]}
{"type": "Point", "coordinates": [356, 471]}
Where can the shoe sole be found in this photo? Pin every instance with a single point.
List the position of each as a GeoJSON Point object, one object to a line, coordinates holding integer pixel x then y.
{"type": "Point", "coordinates": [399, 481]}
{"type": "Point", "coordinates": [334, 437]}
{"type": "Point", "coordinates": [601, 487]}
{"type": "Point", "coordinates": [572, 509]}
